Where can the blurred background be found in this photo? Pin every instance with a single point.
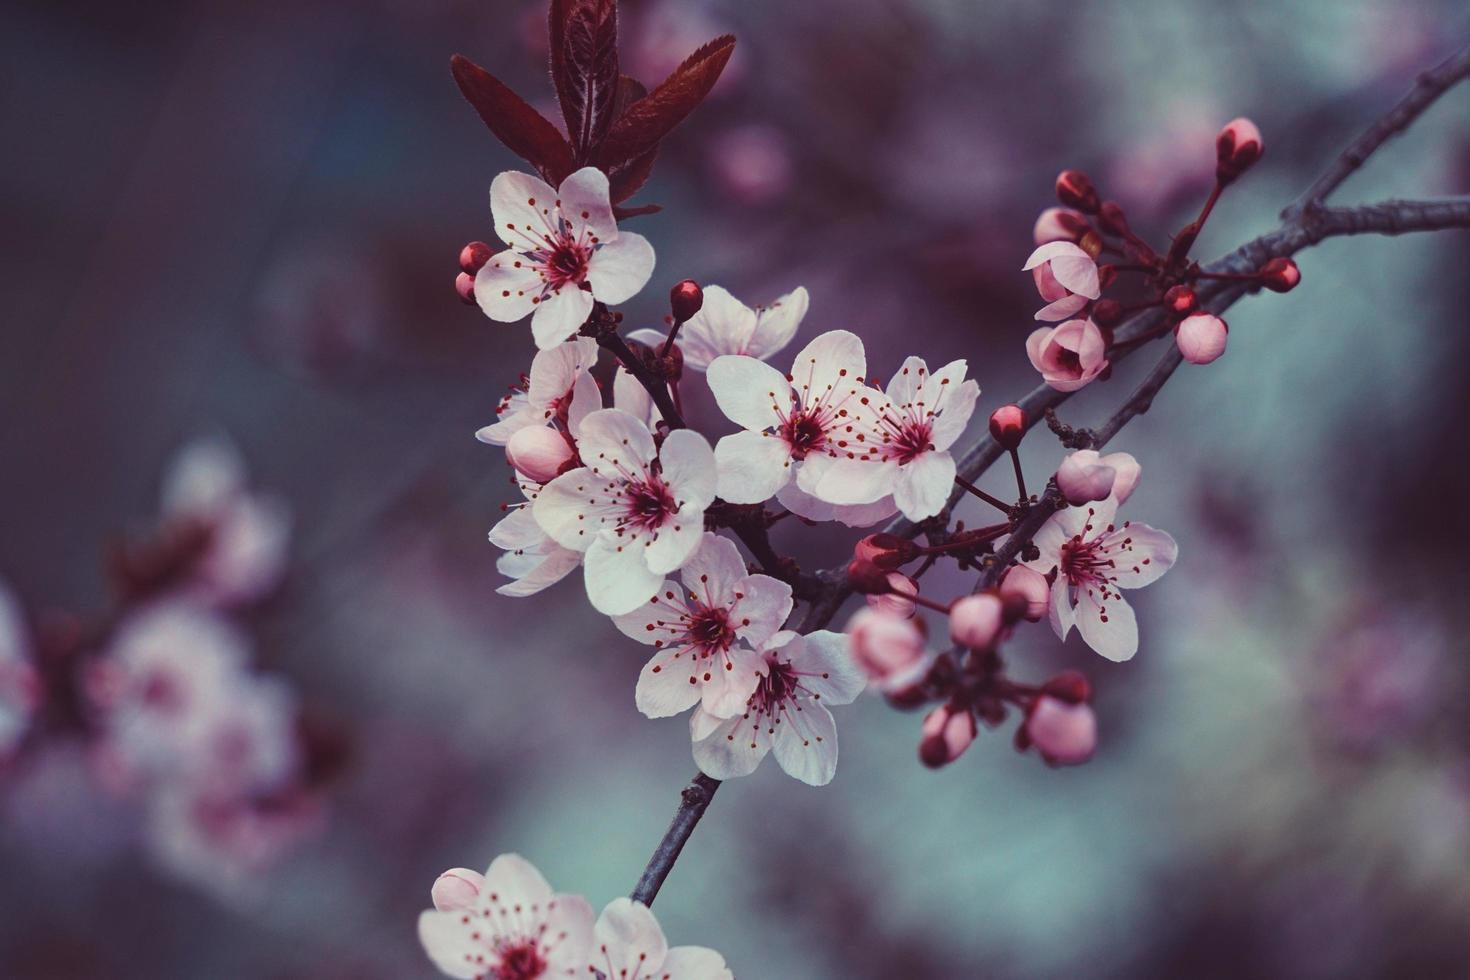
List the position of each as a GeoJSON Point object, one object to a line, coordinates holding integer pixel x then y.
{"type": "Point", "coordinates": [241, 221]}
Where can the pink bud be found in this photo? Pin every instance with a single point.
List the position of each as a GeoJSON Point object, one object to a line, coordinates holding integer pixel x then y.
{"type": "Point", "coordinates": [464, 287]}
{"type": "Point", "coordinates": [1083, 477]}
{"type": "Point", "coordinates": [1181, 300]}
{"type": "Point", "coordinates": [1237, 147]}
{"type": "Point", "coordinates": [1280, 275]}
{"type": "Point", "coordinates": [685, 300]}
{"type": "Point", "coordinates": [885, 550]}
{"type": "Point", "coordinates": [538, 453]}
{"type": "Point", "coordinates": [1075, 190]}
{"type": "Point", "coordinates": [977, 620]}
{"type": "Point", "coordinates": [1064, 733]}
{"type": "Point", "coordinates": [1030, 586]}
{"type": "Point", "coordinates": [947, 732]}
{"type": "Point", "coordinates": [456, 889]}
{"type": "Point", "coordinates": [1059, 225]}
{"type": "Point", "coordinates": [896, 602]}
{"type": "Point", "coordinates": [1201, 337]}
{"type": "Point", "coordinates": [1008, 426]}
{"type": "Point", "coordinates": [474, 256]}
{"type": "Point", "coordinates": [889, 649]}
{"type": "Point", "coordinates": [866, 577]}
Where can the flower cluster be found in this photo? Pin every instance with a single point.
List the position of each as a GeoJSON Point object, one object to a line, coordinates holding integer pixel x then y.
{"type": "Point", "coordinates": [508, 924]}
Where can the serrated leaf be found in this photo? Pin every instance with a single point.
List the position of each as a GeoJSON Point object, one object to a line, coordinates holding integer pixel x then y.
{"type": "Point", "coordinates": [556, 27]}
{"type": "Point", "coordinates": [589, 65]}
{"type": "Point", "coordinates": [523, 130]}
{"type": "Point", "coordinates": [651, 118]}
{"type": "Point", "coordinates": [630, 90]}
{"type": "Point", "coordinates": [627, 180]}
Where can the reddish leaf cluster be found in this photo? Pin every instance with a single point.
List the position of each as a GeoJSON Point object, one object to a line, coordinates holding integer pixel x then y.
{"type": "Point", "coordinates": [613, 122]}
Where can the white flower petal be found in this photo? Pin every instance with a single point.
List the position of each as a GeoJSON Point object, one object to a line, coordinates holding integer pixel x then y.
{"type": "Point", "coordinates": [924, 484]}
{"type": "Point", "coordinates": [567, 941]}
{"type": "Point", "coordinates": [565, 511]}
{"type": "Point", "coordinates": [520, 205]}
{"type": "Point", "coordinates": [848, 481]}
{"type": "Point", "coordinates": [1108, 625]}
{"type": "Point", "coordinates": [630, 396]}
{"type": "Point", "coordinates": [805, 743]}
{"type": "Point", "coordinates": [652, 621]}
{"type": "Point", "coordinates": [613, 442]}
{"type": "Point", "coordinates": [694, 963]}
{"type": "Point", "coordinates": [734, 749]}
{"type": "Point", "coordinates": [554, 566]}
{"type": "Point", "coordinates": [617, 577]}
{"type": "Point", "coordinates": [761, 609]}
{"type": "Point", "coordinates": [1061, 309]}
{"type": "Point", "coordinates": [449, 943]}
{"type": "Point", "coordinates": [506, 287]}
{"type": "Point", "coordinates": [727, 684]}
{"type": "Point", "coordinates": [513, 879]}
{"type": "Point", "coordinates": [585, 205]}
{"type": "Point", "coordinates": [832, 361]}
{"type": "Point", "coordinates": [714, 570]}
{"type": "Point", "coordinates": [752, 466]}
{"type": "Point", "coordinates": [675, 541]}
{"type": "Point", "coordinates": [751, 393]}
{"type": "Point", "coordinates": [723, 325]}
{"type": "Point", "coordinates": [803, 504]}
{"type": "Point", "coordinates": [689, 469]}
{"type": "Point", "coordinates": [1150, 554]}
{"type": "Point", "coordinates": [668, 683]}
{"type": "Point", "coordinates": [824, 661]}
{"type": "Point", "coordinates": [559, 315]}
{"type": "Point", "coordinates": [629, 942]}
{"type": "Point", "coordinates": [957, 404]}
{"type": "Point", "coordinates": [1060, 612]}
{"type": "Point", "coordinates": [777, 323]}
{"type": "Point", "coordinates": [620, 268]}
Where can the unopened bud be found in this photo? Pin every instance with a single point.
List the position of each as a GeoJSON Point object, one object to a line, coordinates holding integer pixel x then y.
{"type": "Point", "coordinates": [1008, 426]}
{"type": "Point", "coordinates": [1237, 148]}
{"type": "Point", "coordinates": [898, 601]}
{"type": "Point", "coordinates": [457, 888]}
{"type": "Point", "coordinates": [889, 649]}
{"type": "Point", "coordinates": [538, 453]}
{"type": "Point", "coordinates": [947, 732]}
{"type": "Point", "coordinates": [685, 300]}
{"type": "Point", "coordinates": [1181, 300]}
{"type": "Point", "coordinates": [1280, 275]}
{"type": "Point", "coordinates": [1091, 243]}
{"type": "Point", "coordinates": [464, 285]}
{"type": "Point", "coordinates": [1084, 477]}
{"type": "Point", "coordinates": [1064, 732]}
{"type": "Point", "coordinates": [1107, 313]}
{"type": "Point", "coordinates": [1075, 190]}
{"type": "Point", "coordinates": [473, 256]}
{"type": "Point", "coordinates": [1070, 686]}
{"type": "Point", "coordinates": [1029, 586]}
{"type": "Point", "coordinates": [1059, 225]}
{"type": "Point", "coordinates": [1112, 219]}
{"type": "Point", "coordinates": [887, 551]}
{"type": "Point", "coordinates": [1201, 338]}
{"type": "Point", "coordinates": [866, 577]}
{"type": "Point", "coordinates": [976, 621]}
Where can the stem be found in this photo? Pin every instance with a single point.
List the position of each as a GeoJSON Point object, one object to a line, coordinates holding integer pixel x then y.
{"type": "Point", "coordinates": [692, 803]}
{"type": "Point", "coordinates": [1020, 480]}
{"type": "Point", "coordinates": [992, 501]}
{"type": "Point", "coordinates": [657, 388]}
{"type": "Point", "coordinates": [669, 341]}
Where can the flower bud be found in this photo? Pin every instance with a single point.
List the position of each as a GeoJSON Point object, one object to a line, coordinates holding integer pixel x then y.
{"type": "Point", "coordinates": [1107, 313]}
{"type": "Point", "coordinates": [686, 299]}
{"type": "Point", "coordinates": [1075, 190]}
{"type": "Point", "coordinates": [976, 621]}
{"type": "Point", "coordinates": [1201, 337]}
{"type": "Point", "coordinates": [1059, 225]}
{"type": "Point", "coordinates": [1280, 275]}
{"type": "Point", "coordinates": [947, 732]}
{"type": "Point", "coordinates": [887, 551]}
{"type": "Point", "coordinates": [456, 889]}
{"type": "Point", "coordinates": [1083, 477]}
{"type": "Point", "coordinates": [1112, 219]}
{"type": "Point", "coordinates": [1008, 426]}
{"type": "Point", "coordinates": [1071, 686]}
{"type": "Point", "coordinates": [1237, 147]}
{"type": "Point", "coordinates": [889, 649]}
{"type": "Point", "coordinates": [1027, 585]}
{"type": "Point", "coordinates": [464, 285]}
{"type": "Point", "coordinates": [1065, 733]}
{"type": "Point", "coordinates": [866, 577]}
{"type": "Point", "coordinates": [473, 256]}
{"type": "Point", "coordinates": [1181, 300]}
{"type": "Point", "coordinates": [897, 601]}
{"type": "Point", "coordinates": [538, 453]}
{"type": "Point", "coordinates": [1091, 243]}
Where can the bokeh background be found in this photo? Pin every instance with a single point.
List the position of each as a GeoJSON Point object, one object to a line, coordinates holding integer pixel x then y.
{"type": "Point", "coordinates": [244, 219]}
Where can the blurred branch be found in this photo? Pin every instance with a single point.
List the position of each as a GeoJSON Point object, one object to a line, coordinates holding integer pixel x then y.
{"type": "Point", "coordinates": [692, 803]}
{"type": "Point", "coordinates": [1427, 89]}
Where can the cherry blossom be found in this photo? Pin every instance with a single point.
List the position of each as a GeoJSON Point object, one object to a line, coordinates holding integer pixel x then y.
{"type": "Point", "coordinates": [1094, 559]}
{"type": "Point", "coordinates": [787, 419]}
{"type": "Point", "coordinates": [1085, 476]}
{"type": "Point", "coordinates": [558, 390]}
{"type": "Point", "coordinates": [1068, 355]}
{"type": "Point", "coordinates": [701, 631]}
{"type": "Point", "coordinates": [564, 252]}
{"type": "Point", "coordinates": [787, 712]}
{"type": "Point", "coordinates": [1064, 732]}
{"type": "Point", "coordinates": [635, 510]}
{"type": "Point", "coordinates": [630, 395]}
{"type": "Point", "coordinates": [1201, 338]}
{"type": "Point", "coordinates": [901, 445]}
{"type": "Point", "coordinates": [246, 534]}
{"type": "Point", "coordinates": [513, 927]}
{"type": "Point", "coordinates": [539, 453]}
{"type": "Point", "coordinates": [532, 560]}
{"type": "Point", "coordinates": [1026, 585]}
{"type": "Point", "coordinates": [1066, 277]}
{"type": "Point", "coordinates": [724, 325]}
{"type": "Point", "coordinates": [20, 685]}
{"type": "Point", "coordinates": [629, 944]}
{"type": "Point", "coordinates": [890, 649]}
{"type": "Point", "coordinates": [977, 621]}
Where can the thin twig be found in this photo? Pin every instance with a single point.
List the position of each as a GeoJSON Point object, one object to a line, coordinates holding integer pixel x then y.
{"type": "Point", "coordinates": [692, 803]}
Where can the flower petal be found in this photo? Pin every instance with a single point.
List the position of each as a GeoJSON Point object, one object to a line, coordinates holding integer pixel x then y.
{"type": "Point", "coordinates": [559, 315]}
{"type": "Point", "coordinates": [727, 683]}
{"type": "Point", "coordinates": [761, 608]}
{"type": "Point", "coordinates": [585, 205]}
{"type": "Point", "coordinates": [520, 205]}
{"type": "Point", "coordinates": [803, 504]}
{"type": "Point", "coordinates": [694, 963]}
{"type": "Point", "coordinates": [751, 393]}
{"type": "Point", "coordinates": [565, 509]}
{"type": "Point", "coordinates": [675, 541]}
{"type": "Point", "coordinates": [450, 944]}
{"type": "Point", "coordinates": [777, 323]}
{"type": "Point", "coordinates": [831, 361]}
{"type": "Point", "coordinates": [714, 570]}
{"type": "Point", "coordinates": [1053, 250]}
{"type": "Point", "coordinates": [734, 749]}
{"type": "Point", "coordinates": [752, 466]}
{"type": "Point", "coordinates": [1108, 625]}
{"type": "Point", "coordinates": [924, 484]}
{"type": "Point", "coordinates": [506, 287]}
{"type": "Point", "coordinates": [1060, 309]}
{"type": "Point", "coordinates": [668, 683]}
{"type": "Point", "coordinates": [1060, 611]}
{"type": "Point", "coordinates": [554, 566]}
{"type": "Point", "coordinates": [620, 268]}
{"type": "Point", "coordinates": [567, 941]}
{"type": "Point", "coordinates": [618, 578]}
{"type": "Point", "coordinates": [628, 940]}
{"type": "Point", "coordinates": [512, 879]}
{"type": "Point", "coordinates": [956, 404]}
{"type": "Point", "coordinates": [848, 481]}
{"type": "Point", "coordinates": [1149, 554]}
{"type": "Point", "coordinates": [655, 620]}
{"type": "Point", "coordinates": [723, 325]}
{"type": "Point", "coordinates": [823, 659]}
{"type": "Point", "coordinates": [805, 743]}
{"type": "Point", "coordinates": [612, 441]}
{"type": "Point", "coordinates": [688, 468]}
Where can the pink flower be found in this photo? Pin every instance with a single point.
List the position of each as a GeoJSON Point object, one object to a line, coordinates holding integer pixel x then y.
{"type": "Point", "coordinates": [1065, 733]}
{"type": "Point", "coordinates": [787, 713]}
{"type": "Point", "coordinates": [899, 444]}
{"type": "Point", "coordinates": [1093, 560]}
{"type": "Point", "coordinates": [538, 453]}
{"type": "Point", "coordinates": [753, 162]}
{"type": "Point", "coordinates": [701, 631]}
{"type": "Point", "coordinates": [532, 559]}
{"type": "Point", "coordinates": [896, 602]}
{"type": "Point", "coordinates": [1069, 355]}
{"type": "Point", "coordinates": [1022, 584]}
{"type": "Point", "coordinates": [725, 326]}
{"type": "Point", "coordinates": [1059, 225]}
{"type": "Point", "coordinates": [636, 511]}
{"type": "Point", "coordinates": [1066, 277]}
{"type": "Point", "coordinates": [564, 251]}
{"type": "Point", "coordinates": [947, 732]}
{"type": "Point", "coordinates": [1201, 337]}
{"type": "Point", "coordinates": [629, 943]}
{"type": "Point", "coordinates": [514, 927]}
{"type": "Point", "coordinates": [20, 684]}
{"type": "Point", "coordinates": [976, 621]}
{"type": "Point", "coordinates": [1085, 476]}
{"type": "Point", "coordinates": [786, 422]}
{"type": "Point", "coordinates": [558, 391]}
{"type": "Point", "coordinates": [244, 556]}
{"type": "Point", "coordinates": [890, 649]}
{"type": "Point", "coordinates": [457, 888]}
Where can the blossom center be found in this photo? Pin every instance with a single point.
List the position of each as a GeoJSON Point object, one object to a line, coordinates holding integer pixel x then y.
{"type": "Point", "coordinates": [778, 686]}
{"type": "Point", "coordinates": [567, 263]}
{"type": "Point", "coordinates": [523, 962]}
{"type": "Point", "coordinates": [648, 504]}
{"type": "Point", "coordinates": [710, 630]}
{"type": "Point", "coordinates": [804, 433]}
{"type": "Point", "coordinates": [911, 441]}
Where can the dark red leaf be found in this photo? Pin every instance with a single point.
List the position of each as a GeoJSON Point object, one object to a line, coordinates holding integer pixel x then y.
{"type": "Point", "coordinates": [556, 23]}
{"type": "Point", "coordinates": [623, 213]}
{"type": "Point", "coordinates": [651, 118]}
{"type": "Point", "coordinates": [522, 129]}
{"type": "Point", "coordinates": [589, 65]}
{"type": "Point", "coordinates": [625, 181]}
{"type": "Point", "coordinates": [630, 90]}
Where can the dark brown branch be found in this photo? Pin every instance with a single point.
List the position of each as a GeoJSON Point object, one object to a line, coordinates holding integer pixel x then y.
{"type": "Point", "coordinates": [657, 388]}
{"type": "Point", "coordinates": [692, 803]}
{"type": "Point", "coordinates": [1427, 89]}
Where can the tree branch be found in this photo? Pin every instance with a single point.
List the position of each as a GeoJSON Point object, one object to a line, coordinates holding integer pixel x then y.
{"type": "Point", "coordinates": [692, 803]}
